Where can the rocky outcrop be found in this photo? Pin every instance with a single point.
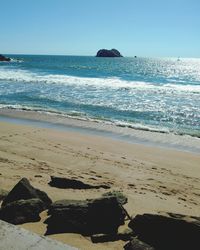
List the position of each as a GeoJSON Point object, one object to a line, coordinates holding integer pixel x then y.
{"type": "Point", "coordinates": [61, 182]}
{"type": "Point", "coordinates": [170, 231]}
{"type": "Point", "coordinates": [22, 211]}
{"type": "Point", "coordinates": [136, 244]}
{"type": "Point", "coordinates": [24, 191]}
{"type": "Point", "coordinates": [4, 59]}
{"type": "Point", "coordinates": [108, 53]}
{"type": "Point", "coordinates": [88, 217]}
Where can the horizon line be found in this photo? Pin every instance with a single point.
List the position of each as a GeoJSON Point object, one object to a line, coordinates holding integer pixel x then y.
{"type": "Point", "coordinates": [26, 54]}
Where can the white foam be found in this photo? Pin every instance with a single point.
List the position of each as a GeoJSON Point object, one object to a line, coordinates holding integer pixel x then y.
{"type": "Point", "coordinates": [18, 75]}
{"type": "Point", "coordinates": [140, 126]}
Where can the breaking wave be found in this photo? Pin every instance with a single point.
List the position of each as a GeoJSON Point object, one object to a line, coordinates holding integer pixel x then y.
{"type": "Point", "coordinates": [116, 83]}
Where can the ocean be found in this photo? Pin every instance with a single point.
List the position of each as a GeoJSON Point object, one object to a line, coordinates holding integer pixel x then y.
{"type": "Point", "coordinates": [152, 94]}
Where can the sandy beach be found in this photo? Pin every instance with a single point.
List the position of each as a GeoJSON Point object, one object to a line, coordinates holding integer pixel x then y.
{"type": "Point", "coordinates": [154, 179]}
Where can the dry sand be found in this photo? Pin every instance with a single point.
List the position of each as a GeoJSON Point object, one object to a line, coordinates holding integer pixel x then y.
{"type": "Point", "coordinates": [154, 179]}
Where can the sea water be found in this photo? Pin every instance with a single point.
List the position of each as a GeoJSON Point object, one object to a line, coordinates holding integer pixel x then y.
{"type": "Point", "coordinates": [155, 94]}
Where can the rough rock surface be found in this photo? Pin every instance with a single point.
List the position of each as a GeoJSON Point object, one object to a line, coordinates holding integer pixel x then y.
{"type": "Point", "coordinates": [4, 59]}
{"type": "Point", "coordinates": [121, 198]}
{"type": "Point", "coordinates": [22, 211]}
{"type": "Point", "coordinates": [24, 191]}
{"type": "Point", "coordinates": [103, 215]}
{"type": "Point", "coordinates": [170, 231]}
{"type": "Point", "coordinates": [61, 182]}
{"type": "Point", "coordinates": [136, 244]}
{"type": "Point", "coordinates": [108, 53]}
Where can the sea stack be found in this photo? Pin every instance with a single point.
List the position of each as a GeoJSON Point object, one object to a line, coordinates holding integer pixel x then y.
{"type": "Point", "coordinates": [108, 53]}
{"type": "Point", "coordinates": [4, 59]}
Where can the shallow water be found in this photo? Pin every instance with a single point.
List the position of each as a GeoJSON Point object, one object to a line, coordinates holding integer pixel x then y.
{"type": "Point", "coordinates": [147, 94]}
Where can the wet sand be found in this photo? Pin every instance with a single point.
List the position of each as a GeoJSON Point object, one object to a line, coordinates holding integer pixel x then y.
{"type": "Point", "coordinates": [154, 179]}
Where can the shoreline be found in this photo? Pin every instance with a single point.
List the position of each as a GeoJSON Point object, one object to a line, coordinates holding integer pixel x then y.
{"type": "Point", "coordinates": [42, 119]}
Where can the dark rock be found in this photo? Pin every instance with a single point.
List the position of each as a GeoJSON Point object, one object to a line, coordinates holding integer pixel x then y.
{"type": "Point", "coordinates": [103, 215]}
{"type": "Point", "coordinates": [121, 198]}
{"type": "Point", "coordinates": [171, 231]}
{"type": "Point", "coordinates": [100, 238]}
{"type": "Point", "coordinates": [24, 191]}
{"type": "Point", "coordinates": [61, 182]}
{"type": "Point", "coordinates": [4, 59]}
{"type": "Point", "coordinates": [22, 211]}
{"type": "Point", "coordinates": [136, 244]}
{"type": "Point", "coordinates": [126, 235]}
{"type": "Point", "coordinates": [63, 205]}
{"type": "Point", "coordinates": [108, 53]}
{"type": "Point", "coordinates": [3, 194]}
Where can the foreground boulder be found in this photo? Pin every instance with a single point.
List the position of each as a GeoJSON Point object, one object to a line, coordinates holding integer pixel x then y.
{"type": "Point", "coordinates": [101, 238]}
{"type": "Point", "coordinates": [121, 198]}
{"type": "Point", "coordinates": [136, 244]}
{"type": "Point", "coordinates": [61, 182]}
{"type": "Point", "coordinates": [24, 191]}
{"type": "Point", "coordinates": [4, 59]}
{"type": "Point", "coordinates": [108, 53]}
{"type": "Point", "coordinates": [103, 215]}
{"type": "Point", "coordinates": [125, 235]}
{"type": "Point", "coordinates": [22, 211]}
{"type": "Point", "coordinates": [171, 231]}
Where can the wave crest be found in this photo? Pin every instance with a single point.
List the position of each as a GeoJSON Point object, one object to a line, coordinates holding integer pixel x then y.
{"type": "Point", "coordinates": [116, 83]}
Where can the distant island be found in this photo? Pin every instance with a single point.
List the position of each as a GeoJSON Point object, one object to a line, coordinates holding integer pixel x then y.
{"type": "Point", "coordinates": [108, 53]}
{"type": "Point", "coordinates": [4, 59]}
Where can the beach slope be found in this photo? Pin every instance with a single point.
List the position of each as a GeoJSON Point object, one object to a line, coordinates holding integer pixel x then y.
{"type": "Point", "coordinates": [154, 179]}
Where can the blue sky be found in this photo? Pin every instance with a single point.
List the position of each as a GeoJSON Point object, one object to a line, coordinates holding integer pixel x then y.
{"type": "Point", "coordinates": [81, 27]}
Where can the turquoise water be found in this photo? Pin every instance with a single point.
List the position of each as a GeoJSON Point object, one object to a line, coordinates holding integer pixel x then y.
{"type": "Point", "coordinates": [150, 94]}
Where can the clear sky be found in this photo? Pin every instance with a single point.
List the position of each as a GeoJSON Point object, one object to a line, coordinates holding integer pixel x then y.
{"type": "Point", "coordinates": [81, 27]}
